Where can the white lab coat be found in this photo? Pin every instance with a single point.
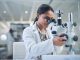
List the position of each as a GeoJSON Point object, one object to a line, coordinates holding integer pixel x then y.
{"type": "Point", "coordinates": [33, 44]}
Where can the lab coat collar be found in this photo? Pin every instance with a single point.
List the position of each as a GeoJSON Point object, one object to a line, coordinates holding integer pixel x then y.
{"type": "Point", "coordinates": [35, 30]}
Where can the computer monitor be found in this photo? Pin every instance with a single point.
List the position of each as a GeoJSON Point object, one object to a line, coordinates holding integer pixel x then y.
{"type": "Point", "coordinates": [61, 57]}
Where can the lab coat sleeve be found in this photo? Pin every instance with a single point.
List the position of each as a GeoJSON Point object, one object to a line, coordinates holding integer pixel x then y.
{"type": "Point", "coordinates": [57, 49]}
{"type": "Point", "coordinates": [36, 49]}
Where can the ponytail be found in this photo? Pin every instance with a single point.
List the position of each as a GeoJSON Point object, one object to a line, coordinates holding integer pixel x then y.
{"type": "Point", "coordinates": [36, 19]}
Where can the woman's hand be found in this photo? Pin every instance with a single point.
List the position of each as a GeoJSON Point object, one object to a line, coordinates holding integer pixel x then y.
{"type": "Point", "coordinates": [59, 41]}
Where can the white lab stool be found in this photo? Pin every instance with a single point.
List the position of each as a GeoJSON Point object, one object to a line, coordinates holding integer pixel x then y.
{"type": "Point", "coordinates": [19, 51]}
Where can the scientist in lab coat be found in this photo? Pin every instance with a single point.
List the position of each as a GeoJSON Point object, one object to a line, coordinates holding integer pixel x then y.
{"type": "Point", "coordinates": [37, 38]}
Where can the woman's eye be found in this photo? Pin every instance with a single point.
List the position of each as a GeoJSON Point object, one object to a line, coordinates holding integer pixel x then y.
{"type": "Point", "coordinates": [47, 18]}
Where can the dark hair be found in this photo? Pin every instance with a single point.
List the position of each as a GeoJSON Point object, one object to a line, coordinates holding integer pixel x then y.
{"type": "Point", "coordinates": [43, 9]}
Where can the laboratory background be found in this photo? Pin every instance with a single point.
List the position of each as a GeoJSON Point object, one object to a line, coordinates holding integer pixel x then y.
{"type": "Point", "coordinates": [16, 15]}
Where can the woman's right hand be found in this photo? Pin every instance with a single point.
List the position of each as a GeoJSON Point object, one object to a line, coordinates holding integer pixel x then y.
{"type": "Point", "coordinates": [58, 41]}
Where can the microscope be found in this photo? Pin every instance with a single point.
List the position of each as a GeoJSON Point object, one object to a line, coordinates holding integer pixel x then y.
{"type": "Point", "coordinates": [67, 30]}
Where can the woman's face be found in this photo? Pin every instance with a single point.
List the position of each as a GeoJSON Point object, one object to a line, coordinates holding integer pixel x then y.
{"type": "Point", "coordinates": [43, 18]}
